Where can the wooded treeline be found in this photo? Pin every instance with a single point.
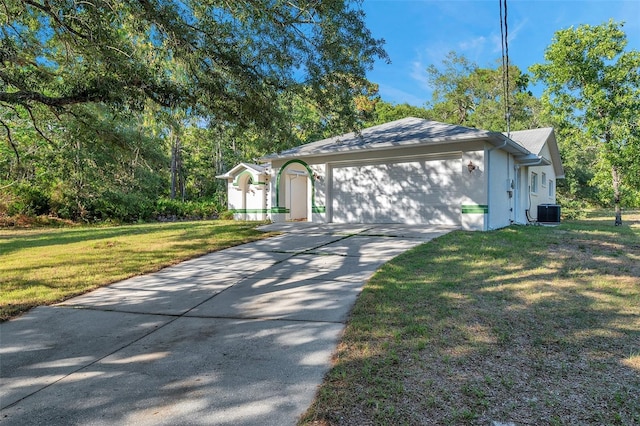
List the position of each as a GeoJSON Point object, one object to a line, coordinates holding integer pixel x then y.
{"type": "Point", "coordinates": [128, 110]}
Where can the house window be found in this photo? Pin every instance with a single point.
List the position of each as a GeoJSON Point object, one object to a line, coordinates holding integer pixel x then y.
{"type": "Point", "coordinates": [550, 188]}
{"type": "Point", "coordinates": [543, 179]}
{"type": "Point", "coordinates": [534, 183]}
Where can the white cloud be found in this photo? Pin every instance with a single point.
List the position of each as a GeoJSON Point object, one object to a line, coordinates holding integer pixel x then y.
{"type": "Point", "coordinates": [473, 44]}
{"type": "Point", "coordinates": [419, 73]}
{"type": "Point", "coordinates": [431, 55]}
{"type": "Point", "coordinates": [512, 34]}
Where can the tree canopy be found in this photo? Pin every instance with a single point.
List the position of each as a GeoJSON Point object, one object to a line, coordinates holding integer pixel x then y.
{"type": "Point", "coordinates": [593, 93]}
{"type": "Point", "coordinates": [466, 94]}
{"type": "Point", "coordinates": [228, 60]}
{"type": "Point", "coordinates": [112, 100]}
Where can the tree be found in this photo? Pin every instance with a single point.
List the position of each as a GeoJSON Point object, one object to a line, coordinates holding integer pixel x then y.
{"type": "Point", "coordinates": [593, 84]}
{"type": "Point", "coordinates": [229, 61]}
{"type": "Point", "coordinates": [100, 166]}
{"type": "Point", "coordinates": [385, 112]}
{"type": "Point", "coordinates": [466, 94]}
{"type": "Point", "coordinates": [88, 90]}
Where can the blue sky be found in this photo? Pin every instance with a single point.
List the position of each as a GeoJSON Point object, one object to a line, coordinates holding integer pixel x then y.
{"type": "Point", "coordinates": [421, 32]}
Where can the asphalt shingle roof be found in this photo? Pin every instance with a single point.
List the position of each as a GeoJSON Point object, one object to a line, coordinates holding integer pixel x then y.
{"type": "Point", "coordinates": [533, 139]}
{"type": "Point", "coordinates": [526, 145]}
{"type": "Point", "coordinates": [407, 131]}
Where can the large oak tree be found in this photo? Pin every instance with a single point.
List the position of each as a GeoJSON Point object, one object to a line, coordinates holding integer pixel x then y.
{"type": "Point", "coordinates": [228, 60]}
{"type": "Point", "coordinates": [94, 94]}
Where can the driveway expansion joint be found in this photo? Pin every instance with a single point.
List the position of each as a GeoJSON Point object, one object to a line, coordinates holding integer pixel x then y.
{"type": "Point", "coordinates": [265, 318]}
{"type": "Point", "coordinates": [264, 313]}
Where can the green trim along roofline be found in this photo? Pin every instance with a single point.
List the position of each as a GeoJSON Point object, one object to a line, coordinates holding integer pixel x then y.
{"type": "Point", "coordinates": [475, 209]}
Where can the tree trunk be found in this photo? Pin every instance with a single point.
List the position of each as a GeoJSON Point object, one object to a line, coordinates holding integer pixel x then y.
{"type": "Point", "coordinates": [173, 170]}
{"type": "Point", "coordinates": [177, 180]}
{"type": "Point", "coordinates": [180, 170]}
{"type": "Point", "coordinates": [616, 194]}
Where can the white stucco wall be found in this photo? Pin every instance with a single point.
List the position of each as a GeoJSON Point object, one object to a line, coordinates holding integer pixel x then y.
{"type": "Point", "coordinates": [546, 182]}
{"type": "Point", "coordinates": [501, 195]}
{"type": "Point", "coordinates": [234, 198]}
{"type": "Point", "coordinates": [521, 196]}
{"type": "Point", "coordinates": [546, 188]}
{"type": "Point", "coordinates": [473, 196]}
{"type": "Point", "coordinates": [318, 206]}
{"type": "Point", "coordinates": [247, 195]}
{"type": "Point", "coordinates": [493, 195]}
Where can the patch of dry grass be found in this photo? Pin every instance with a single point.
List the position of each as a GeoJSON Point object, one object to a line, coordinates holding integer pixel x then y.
{"type": "Point", "coordinates": [530, 325]}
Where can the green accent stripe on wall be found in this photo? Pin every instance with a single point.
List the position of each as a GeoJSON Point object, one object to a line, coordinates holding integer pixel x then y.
{"type": "Point", "coordinates": [475, 209]}
{"type": "Point", "coordinates": [279, 210]}
{"type": "Point", "coordinates": [249, 210]}
{"type": "Point", "coordinates": [319, 209]}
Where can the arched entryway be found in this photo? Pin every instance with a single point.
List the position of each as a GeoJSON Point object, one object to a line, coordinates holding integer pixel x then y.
{"type": "Point", "coordinates": [295, 190]}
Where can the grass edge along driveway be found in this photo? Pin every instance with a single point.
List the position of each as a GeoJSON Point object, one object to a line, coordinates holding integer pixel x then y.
{"type": "Point", "coordinates": [530, 325]}
{"type": "Point", "coordinates": [44, 266]}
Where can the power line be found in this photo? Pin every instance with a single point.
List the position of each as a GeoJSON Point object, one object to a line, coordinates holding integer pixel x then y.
{"type": "Point", "coordinates": [504, 35]}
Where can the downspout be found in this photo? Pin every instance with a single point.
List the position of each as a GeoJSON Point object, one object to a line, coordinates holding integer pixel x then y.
{"type": "Point", "coordinates": [516, 191]}
{"type": "Point", "coordinates": [511, 197]}
{"type": "Point", "coordinates": [489, 181]}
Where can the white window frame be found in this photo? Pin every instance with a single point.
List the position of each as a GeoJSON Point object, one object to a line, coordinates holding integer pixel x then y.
{"type": "Point", "coordinates": [534, 183]}
{"type": "Point", "coordinates": [543, 180]}
{"type": "Point", "coordinates": [551, 188]}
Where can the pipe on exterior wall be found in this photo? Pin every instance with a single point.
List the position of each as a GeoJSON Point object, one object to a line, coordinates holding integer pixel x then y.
{"type": "Point", "coordinates": [489, 208]}
{"type": "Point", "coordinates": [516, 195]}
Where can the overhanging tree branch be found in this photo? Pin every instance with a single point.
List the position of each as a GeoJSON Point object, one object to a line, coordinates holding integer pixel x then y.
{"type": "Point", "coordinates": [25, 97]}
{"type": "Point", "coordinates": [10, 140]}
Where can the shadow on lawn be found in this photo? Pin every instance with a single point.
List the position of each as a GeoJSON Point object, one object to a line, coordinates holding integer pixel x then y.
{"type": "Point", "coordinates": [13, 241]}
{"type": "Point", "coordinates": [529, 325]}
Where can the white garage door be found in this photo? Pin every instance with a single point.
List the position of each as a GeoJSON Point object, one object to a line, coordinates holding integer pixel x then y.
{"type": "Point", "coordinates": [412, 192]}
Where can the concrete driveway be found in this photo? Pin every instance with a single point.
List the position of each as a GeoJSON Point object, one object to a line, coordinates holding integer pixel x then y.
{"type": "Point", "coordinates": [240, 336]}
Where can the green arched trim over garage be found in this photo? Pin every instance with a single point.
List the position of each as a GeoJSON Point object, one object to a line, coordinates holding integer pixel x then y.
{"type": "Point", "coordinates": [314, 208]}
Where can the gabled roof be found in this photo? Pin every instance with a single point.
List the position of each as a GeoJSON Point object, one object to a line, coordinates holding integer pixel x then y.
{"type": "Point", "coordinates": [525, 145]}
{"type": "Point", "coordinates": [406, 132]}
{"type": "Point", "coordinates": [535, 140]}
{"type": "Point", "coordinates": [254, 168]}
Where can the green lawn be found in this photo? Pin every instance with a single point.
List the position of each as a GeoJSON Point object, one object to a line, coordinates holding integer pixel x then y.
{"type": "Point", "coordinates": [43, 266]}
{"type": "Point", "coordinates": [531, 325]}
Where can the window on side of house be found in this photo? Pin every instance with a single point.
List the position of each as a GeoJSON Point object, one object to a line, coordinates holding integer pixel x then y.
{"type": "Point", "coordinates": [550, 188]}
{"type": "Point", "coordinates": [534, 183]}
{"type": "Point", "coordinates": [543, 179]}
